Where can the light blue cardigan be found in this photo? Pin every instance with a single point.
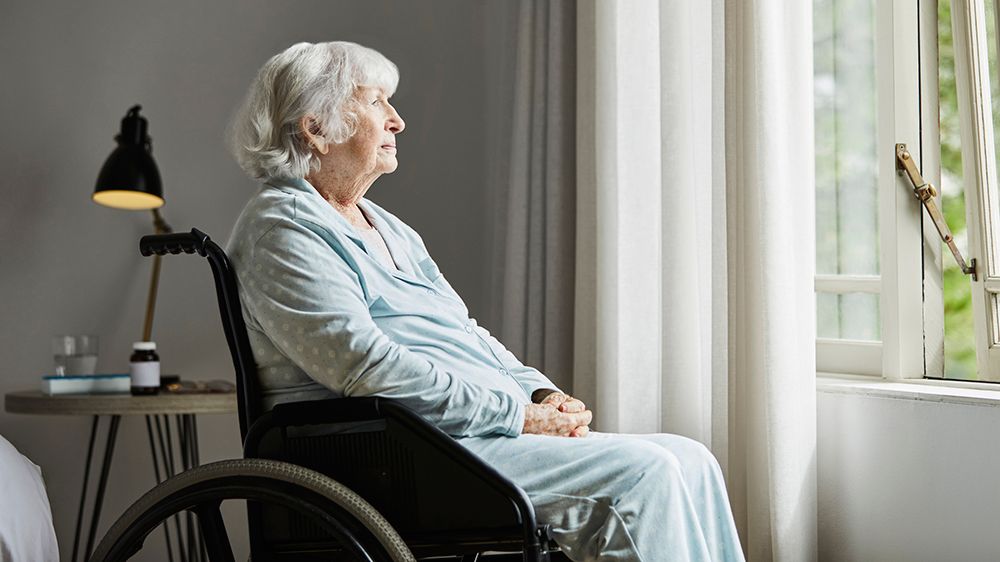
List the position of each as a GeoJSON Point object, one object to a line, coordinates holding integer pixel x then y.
{"type": "Point", "coordinates": [326, 318]}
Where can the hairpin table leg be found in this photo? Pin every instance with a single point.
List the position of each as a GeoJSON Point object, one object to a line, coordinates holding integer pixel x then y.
{"type": "Point", "coordinates": [102, 483]}
{"type": "Point", "coordinates": [83, 490]}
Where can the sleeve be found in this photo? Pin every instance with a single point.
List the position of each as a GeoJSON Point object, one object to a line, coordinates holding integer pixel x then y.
{"type": "Point", "coordinates": [529, 378]}
{"type": "Point", "coordinates": [301, 288]}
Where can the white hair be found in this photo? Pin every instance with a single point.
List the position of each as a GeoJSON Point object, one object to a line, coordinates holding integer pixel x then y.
{"type": "Point", "coordinates": [305, 79]}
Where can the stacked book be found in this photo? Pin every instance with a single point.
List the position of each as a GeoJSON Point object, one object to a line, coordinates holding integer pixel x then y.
{"type": "Point", "coordinates": [86, 384]}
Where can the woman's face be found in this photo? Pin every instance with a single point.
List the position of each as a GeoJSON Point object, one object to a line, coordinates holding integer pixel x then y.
{"type": "Point", "coordinates": [372, 149]}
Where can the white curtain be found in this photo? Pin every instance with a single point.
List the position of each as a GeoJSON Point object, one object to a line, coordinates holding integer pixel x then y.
{"type": "Point", "coordinates": [695, 243]}
{"type": "Point", "coordinates": [535, 200]}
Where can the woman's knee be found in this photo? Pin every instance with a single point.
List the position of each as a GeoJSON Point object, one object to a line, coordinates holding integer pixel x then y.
{"type": "Point", "coordinates": [691, 454]}
{"type": "Point", "coordinates": [649, 463]}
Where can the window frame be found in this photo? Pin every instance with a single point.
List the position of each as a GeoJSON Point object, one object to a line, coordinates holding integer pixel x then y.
{"type": "Point", "coordinates": [910, 281]}
{"type": "Point", "coordinates": [901, 228]}
{"type": "Point", "coordinates": [932, 250]}
{"type": "Point", "coordinates": [847, 355]}
{"type": "Point", "coordinates": [979, 167]}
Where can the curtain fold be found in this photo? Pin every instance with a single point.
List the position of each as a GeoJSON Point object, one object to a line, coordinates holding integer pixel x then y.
{"type": "Point", "coordinates": [770, 189]}
{"type": "Point", "coordinates": [535, 234]}
{"type": "Point", "coordinates": [695, 243]}
{"type": "Point", "coordinates": [617, 362]}
{"type": "Point", "coordinates": [690, 254]}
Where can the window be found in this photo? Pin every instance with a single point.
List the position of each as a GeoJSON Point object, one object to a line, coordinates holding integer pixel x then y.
{"type": "Point", "coordinates": [869, 284]}
{"type": "Point", "coordinates": [891, 301]}
{"type": "Point", "coordinates": [960, 337]}
{"type": "Point", "coordinates": [847, 257]}
{"type": "Point", "coordinates": [975, 70]}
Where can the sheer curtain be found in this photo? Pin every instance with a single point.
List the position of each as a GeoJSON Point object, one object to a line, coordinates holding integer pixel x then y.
{"type": "Point", "coordinates": [695, 243]}
{"type": "Point", "coordinates": [534, 233]}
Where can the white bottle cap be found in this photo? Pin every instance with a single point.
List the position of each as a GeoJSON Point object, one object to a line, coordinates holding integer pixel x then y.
{"type": "Point", "coordinates": [144, 346]}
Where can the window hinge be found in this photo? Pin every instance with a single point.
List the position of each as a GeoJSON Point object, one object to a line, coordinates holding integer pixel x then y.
{"type": "Point", "coordinates": [925, 192]}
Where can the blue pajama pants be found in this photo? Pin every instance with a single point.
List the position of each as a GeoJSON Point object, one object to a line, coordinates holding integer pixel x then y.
{"type": "Point", "coordinates": [613, 497]}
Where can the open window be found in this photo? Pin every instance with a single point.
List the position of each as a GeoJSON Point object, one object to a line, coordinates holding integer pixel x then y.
{"type": "Point", "coordinates": [891, 300]}
{"type": "Point", "coordinates": [873, 316]}
{"type": "Point", "coordinates": [975, 47]}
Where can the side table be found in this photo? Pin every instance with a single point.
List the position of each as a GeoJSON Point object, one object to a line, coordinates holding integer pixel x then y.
{"type": "Point", "coordinates": [157, 410]}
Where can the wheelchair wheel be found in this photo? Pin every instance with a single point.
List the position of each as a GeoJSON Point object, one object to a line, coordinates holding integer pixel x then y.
{"type": "Point", "coordinates": [360, 530]}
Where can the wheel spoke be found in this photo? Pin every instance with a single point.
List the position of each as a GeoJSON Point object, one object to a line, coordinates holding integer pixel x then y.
{"type": "Point", "coordinates": [213, 530]}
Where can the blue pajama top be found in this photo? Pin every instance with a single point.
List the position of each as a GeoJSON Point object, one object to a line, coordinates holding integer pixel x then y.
{"type": "Point", "coordinates": [327, 319]}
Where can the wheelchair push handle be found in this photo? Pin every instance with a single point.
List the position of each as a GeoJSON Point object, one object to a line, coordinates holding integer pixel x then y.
{"type": "Point", "coordinates": [162, 244]}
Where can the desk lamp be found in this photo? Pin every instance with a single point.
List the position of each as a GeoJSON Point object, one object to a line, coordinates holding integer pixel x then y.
{"type": "Point", "coordinates": [130, 180]}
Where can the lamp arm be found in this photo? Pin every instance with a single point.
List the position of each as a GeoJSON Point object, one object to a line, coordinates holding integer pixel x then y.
{"type": "Point", "coordinates": [161, 227]}
{"type": "Point", "coordinates": [159, 224]}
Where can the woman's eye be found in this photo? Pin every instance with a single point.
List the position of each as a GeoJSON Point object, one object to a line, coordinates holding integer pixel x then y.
{"type": "Point", "coordinates": [375, 102]}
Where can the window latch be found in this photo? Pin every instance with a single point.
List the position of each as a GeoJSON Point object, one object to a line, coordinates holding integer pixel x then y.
{"type": "Point", "coordinates": [925, 192]}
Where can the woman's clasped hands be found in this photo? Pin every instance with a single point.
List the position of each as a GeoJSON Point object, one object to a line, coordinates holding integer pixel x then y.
{"type": "Point", "coordinates": [558, 414]}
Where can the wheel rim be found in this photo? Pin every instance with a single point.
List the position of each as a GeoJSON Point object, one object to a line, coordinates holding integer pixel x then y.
{"type": "Point", "coordinates": [203, 497]}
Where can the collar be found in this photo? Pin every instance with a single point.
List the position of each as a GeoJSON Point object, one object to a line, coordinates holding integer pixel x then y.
{"type": "Point", "coordinates": [310, 196]}
{"type": "Point", "coordinates": [300, 187]}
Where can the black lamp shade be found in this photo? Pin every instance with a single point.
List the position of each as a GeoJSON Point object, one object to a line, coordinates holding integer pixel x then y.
{"type": "Point", "coordinates": [129, 178]}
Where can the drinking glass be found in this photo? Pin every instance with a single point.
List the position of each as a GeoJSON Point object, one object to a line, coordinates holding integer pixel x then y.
{"type": "Point", "coordinates": [75, 355]}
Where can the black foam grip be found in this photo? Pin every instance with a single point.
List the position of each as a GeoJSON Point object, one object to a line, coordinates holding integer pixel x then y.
{"type": "Point", "coordinates": [161, 244]}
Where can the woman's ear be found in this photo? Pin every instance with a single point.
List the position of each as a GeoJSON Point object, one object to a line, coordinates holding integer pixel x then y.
{"type": "Point", "coordinates": [313, 134]}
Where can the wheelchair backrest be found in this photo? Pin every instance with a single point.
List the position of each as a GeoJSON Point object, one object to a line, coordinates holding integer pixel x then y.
{"type": "Point", "coordinates": [196, 241]}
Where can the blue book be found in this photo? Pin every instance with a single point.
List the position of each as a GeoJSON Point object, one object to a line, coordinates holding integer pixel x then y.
{"type": "Point", "coordinates": [86, 384]}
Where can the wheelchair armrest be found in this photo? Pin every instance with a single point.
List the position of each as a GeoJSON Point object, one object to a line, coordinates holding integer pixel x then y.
{"type": "Point", "coordinates": [330, 410]}
{"type": "Point", "coordinates": [341, 410]}
{"type": "Point", "coordinates": [309, 412]}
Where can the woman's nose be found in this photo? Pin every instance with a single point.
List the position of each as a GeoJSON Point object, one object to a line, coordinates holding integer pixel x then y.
{"type": "Point", "coordinates": [395, 123]}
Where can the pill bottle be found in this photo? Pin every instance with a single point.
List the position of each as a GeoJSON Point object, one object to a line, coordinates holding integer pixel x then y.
{"type": "Point", "coordinates": [144, 368]}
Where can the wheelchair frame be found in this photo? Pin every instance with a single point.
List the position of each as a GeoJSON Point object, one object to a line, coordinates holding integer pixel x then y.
{"type": "Point", "coordinates": [413, 473]}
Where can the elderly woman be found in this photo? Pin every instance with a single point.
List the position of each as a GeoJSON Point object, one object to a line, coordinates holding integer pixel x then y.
{"type": "Point", "coordinates": [341, 298]}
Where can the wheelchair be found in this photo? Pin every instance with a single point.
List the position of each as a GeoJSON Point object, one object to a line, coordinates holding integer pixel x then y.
{"type": "Point", "coordinates": [336, 479]}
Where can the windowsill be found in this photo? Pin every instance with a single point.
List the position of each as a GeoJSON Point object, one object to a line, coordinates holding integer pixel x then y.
{"type": "Point", "coordinates": [950, 392]}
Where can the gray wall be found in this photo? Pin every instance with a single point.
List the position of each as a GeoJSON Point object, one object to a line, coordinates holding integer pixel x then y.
{"type": "Point", "coordinates": [71, 69]}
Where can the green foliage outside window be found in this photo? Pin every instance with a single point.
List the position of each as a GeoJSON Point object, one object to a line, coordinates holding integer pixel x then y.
{"type": "Point", "coordinates": [959, 330]}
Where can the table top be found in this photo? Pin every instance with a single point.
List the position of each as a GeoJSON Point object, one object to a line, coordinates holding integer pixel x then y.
{"type": "Point", "coordinates": [36, 402]}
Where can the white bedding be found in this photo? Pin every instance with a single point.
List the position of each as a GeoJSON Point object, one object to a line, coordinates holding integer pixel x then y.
{"type": "Point", "coordinates": [26, 532]}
